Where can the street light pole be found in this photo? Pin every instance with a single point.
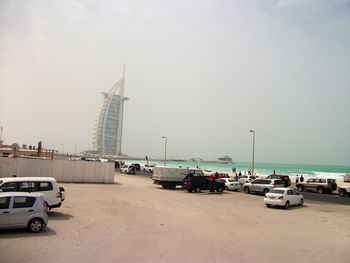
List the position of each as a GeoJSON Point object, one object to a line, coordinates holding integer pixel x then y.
{"type": "Point", "coordinates": [75, 149]}
{"type": "Point", "coordinates": [166, 142]}
{"type": "Point", "coordinates": [253, 150]}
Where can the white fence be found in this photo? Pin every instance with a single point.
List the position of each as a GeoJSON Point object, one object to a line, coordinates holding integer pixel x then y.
{"type": "Point", "coordinates": [61, 170]}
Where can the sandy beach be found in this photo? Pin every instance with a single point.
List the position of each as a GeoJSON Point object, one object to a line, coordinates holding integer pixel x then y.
{"type": "Point", "coordinates": [137, 221]}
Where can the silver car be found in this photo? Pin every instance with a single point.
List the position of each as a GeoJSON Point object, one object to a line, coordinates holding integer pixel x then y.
{"type": "Point", "coordinates": [20, 210]}
{"type": "Point", "coordinates": [262, 185]}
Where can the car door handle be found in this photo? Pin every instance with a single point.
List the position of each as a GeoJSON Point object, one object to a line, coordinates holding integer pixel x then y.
{"type": "Point", "coordinates": [30, 210]}
{"type": "Point", "coordinates": [6, 212]}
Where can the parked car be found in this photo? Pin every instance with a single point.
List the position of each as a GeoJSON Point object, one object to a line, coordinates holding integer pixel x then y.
{"type": "Point", "coordinates": [53, 194]}
{"type": "Point", "coordinates": [231, 184]}
{"type": "Point", "coordinates": [128, 169]}
{"type": "Point", "coordinates": [137, 166]}
{"type": "Point", "coordinates": [23, 210]}
{"type": "Point", "coordinates": [344, 190]}
{"type": "Point", "coordinates": [285, 197]}
{"type": "Point", "coordinates": [246, 178]}
{"type": "Point", "coordinates": [218, 175]}
{"type": "Point", "coordinates": [198, 183]}
{"type": "Point", "coordinates": [284, 178]}
{"type": "Point", "coordinates": [321, 185]}
{"type": "Point", "coordinates": [262, 185]}
{"type": "Point", "coordinates": [148, 168]}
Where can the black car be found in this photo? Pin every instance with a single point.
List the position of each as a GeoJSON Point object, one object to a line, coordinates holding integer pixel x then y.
{"type": "Point", "coordinates": [137, 166]}
{"type": "Point", "coordinates": [198, 183]}
{"type": "Point", "coordinates": [284, 178]}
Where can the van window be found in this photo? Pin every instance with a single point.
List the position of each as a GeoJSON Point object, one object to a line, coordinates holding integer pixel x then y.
{"type": "Point", "coordinates": [9, 187]}
{"type": "Point", "coordinates": [26, 187]}
{"type": "Point", "coordinates": [22, 201]}
{"type": "Point", "coordinates": [45, 186]}
{"type": "Point", "coordinates": [4, 202]}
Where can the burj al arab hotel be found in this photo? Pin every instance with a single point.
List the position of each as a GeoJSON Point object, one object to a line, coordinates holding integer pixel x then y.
{"type": "Point", "coordinates": [108, 128]}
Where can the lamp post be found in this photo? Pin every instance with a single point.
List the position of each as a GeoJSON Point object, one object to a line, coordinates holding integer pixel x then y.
{"type": "Point", "coordinates": [75, 149]}
{"type": "Point", "coordinates": [166, 142]}
{"type": "Point", "coordinates": [253, 150]}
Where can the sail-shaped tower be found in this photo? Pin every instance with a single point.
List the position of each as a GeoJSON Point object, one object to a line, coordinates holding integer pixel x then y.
{"type": "Point", "coordinates": [107, 132]}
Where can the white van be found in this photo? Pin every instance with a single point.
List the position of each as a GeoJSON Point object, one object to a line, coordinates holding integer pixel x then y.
{"type": "Point", "coordinates": [53, 194]}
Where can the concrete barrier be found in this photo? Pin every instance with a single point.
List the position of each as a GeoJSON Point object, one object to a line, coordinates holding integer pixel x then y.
{"type": "Point", "coordinates": [61, 170]}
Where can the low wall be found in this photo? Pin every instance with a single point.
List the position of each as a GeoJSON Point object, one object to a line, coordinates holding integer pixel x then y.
{"type": "Point", "coordinates": [61, 170]}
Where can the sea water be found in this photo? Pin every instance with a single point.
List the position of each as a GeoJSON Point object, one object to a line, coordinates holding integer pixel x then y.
{"type": "Point", "coordinates": [264, 169]}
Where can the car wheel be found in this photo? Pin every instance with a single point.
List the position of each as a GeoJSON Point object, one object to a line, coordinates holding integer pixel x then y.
{"type": "Point", "coordinates": [342, 192]}
{"type": "Point", "coordinates": [246, 190]}
{"type": "Point", "coordinates": [266, 191]}
{"type": "Point", "coordinates": [320, 190]}
{"type": "Point", "coordinates": [190, 190]}
{"type": "Point", "coordinates": [300, 188]}
{"type": "Point", "coordinates": [35, 225]}
{"type": "Point", "coordinates": [301, 203]}
{"type": "Point", "coordinates": [164, 186]}
{"type": "Point", "coordinates": [268, 205]}
{"type": "Point", "coordinates": [220, 189]}
{"type": "Point", "coordinates": [226, 188]}
{"type": "Point", "coordinates": [197, 189]}
{"type": "Point", "coordinates": [287, 205]}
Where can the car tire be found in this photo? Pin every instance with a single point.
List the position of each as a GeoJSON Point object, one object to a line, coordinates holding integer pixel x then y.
{"type": "Point", "coordinates": [226, 188]}
{"type": "Point", "coordinates": [246, 190]}
{"type": "Point", "coordinates": [197, 189]}
{"type": "Point", "coordinates": [190, 190]}
{"type": "Point", "coordinates": [342, 192]}
{"type": "Point", "coordinates": [35, 225]}
{"type": "Point", "coordinates": [320, 190]}
{"type": "Point", "coordinates": [164, 186]}
{"type": "Point", "coordinates": [287, 205]}
{"type": "Point", "coordinates": [301, 203]}
{"type": "Point", "coordinates": [300, 188]}
{"type": "Point", "coordinates": [220, 189]}
{"type": "Point", "coordinates": [266, 191]}
{"type": "Point", "coordinates": [268, 205]}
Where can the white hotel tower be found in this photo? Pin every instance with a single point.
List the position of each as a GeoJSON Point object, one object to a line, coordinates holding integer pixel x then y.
{"type": "Point", "coordinates": [107, 133]}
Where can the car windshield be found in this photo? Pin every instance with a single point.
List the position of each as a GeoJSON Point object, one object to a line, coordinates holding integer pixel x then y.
{"type": "Point", "coordinates": [276, 191]}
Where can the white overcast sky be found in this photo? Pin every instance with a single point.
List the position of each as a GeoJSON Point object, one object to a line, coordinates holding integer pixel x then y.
{"type": "Point", "coordinates": [200, 72]}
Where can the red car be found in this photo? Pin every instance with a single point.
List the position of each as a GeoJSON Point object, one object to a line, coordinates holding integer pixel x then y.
{"type": "Point", "coordinates": [219, 175]}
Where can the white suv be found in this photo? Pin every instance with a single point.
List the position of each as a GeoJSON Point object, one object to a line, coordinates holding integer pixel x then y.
{"type": "Point", "coordinates": [20, 210]}
{"type": "Point", "coordinates": [53, 194]}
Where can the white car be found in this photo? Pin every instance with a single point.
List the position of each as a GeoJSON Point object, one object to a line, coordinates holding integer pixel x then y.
{"type": "Point", "coordinates": [54, 195]}
{"type": "Point", "coordinates": [246, 178]}
{"type": "Point", "coordinates": [128, 169]}
{"type": "Point", "coordinates": [231, 184]}
{"type": "Point", "coordinates": [148, 168]}
{"type": "Point", "coordinates": [285, 197]}
{"type": "Point", "coordinates": [20, 210]}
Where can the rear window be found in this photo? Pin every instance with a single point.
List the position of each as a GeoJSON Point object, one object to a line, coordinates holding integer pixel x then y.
{"type": "Point", "coordinates": [45, 186]}
{"type": "Point", "coordinates": [23, 201]}
{"type": "Point", "coordinates": [274, 191]}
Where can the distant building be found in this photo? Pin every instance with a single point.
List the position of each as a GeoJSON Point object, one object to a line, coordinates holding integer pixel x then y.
{"type": "Point", "coordinates": [15, 150]}
{"type": "Point", "coordinates": [107, 132]}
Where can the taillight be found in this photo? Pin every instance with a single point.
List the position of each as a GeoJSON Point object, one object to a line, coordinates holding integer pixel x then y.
{"type": "Point", "coordinates": [58, 194]}
{"type": "Point", "coordinates": [273, 183]}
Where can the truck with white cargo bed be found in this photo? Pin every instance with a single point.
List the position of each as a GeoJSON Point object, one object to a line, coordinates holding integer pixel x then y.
{"type": "Point", "coordinates": [170, 177]}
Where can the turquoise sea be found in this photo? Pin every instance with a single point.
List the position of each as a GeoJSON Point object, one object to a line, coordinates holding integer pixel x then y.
{"type": "Point", "coordinates": [265, 168]}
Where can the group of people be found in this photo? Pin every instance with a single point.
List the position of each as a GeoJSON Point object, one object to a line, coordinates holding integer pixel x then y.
{"type": "Point", "coordinates": [301, 179]}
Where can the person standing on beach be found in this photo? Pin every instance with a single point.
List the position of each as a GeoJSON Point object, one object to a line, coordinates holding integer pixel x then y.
{"type": "Point", "coordinates": [297, 179]}
{"type": "Point", "coordinates": [301, 178]}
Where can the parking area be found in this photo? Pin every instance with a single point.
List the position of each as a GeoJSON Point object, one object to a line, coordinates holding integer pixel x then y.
{"type": "Point", "coordinates": [134, 220]}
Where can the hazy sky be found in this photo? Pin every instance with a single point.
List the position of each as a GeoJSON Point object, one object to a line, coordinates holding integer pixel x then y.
{"type": "Point", "coordinates": [200, 72]}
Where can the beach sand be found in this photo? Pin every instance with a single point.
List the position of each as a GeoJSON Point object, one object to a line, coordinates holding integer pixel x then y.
{"type": "Point", "coordinates": [137, 221]}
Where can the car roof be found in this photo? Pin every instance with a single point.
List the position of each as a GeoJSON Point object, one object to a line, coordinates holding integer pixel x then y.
{"type": "Point", "coordinates": [21, 179]}
{"type": "Point", "coordinates": [6, 194]}
{"type": "Point", "coordinates": [283, 188]}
